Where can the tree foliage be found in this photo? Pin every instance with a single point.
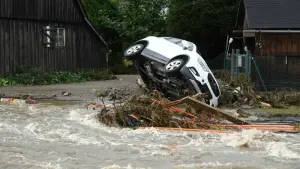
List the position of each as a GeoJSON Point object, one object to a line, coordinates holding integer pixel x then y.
{"type": "Point", "coordinates": [135, 19]}
{"type": "Point", "coordinates": [93, 9]}
{"type": "Point", "coordinates": [205, 22]}
{"type": "Point", "coordinates": [124, 21]}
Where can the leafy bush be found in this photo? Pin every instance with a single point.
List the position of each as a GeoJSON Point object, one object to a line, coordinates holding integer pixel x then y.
{"type": "Point", "coordinates": [122, 69]}
{"type": "Point", "coordinates": [126, 67]}
{"type": "Point", "coordinates": [38, 77]}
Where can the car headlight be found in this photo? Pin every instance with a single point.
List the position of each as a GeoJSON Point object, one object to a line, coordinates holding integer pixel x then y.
{"type": "Point", "coordinates": [204, 67]}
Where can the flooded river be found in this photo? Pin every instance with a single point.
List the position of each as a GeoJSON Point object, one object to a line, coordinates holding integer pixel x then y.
{"type": "Point", "coordinates": [69, 137]}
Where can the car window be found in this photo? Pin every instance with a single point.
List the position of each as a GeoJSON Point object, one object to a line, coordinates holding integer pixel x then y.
{"type": "Point", "coordinates": [178, 42]}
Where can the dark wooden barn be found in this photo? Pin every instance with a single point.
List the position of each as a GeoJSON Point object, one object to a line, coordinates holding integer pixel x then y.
{"type": "Point", "coordinates": [51, 34]}
{"type": "Point", "coordinates": [271, 31]}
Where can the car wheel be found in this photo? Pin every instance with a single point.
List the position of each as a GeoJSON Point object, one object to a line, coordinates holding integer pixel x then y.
{"type": "Point", "coordinates": [173, 67]}
{"type": "Point", "coordinates": [133, 51]}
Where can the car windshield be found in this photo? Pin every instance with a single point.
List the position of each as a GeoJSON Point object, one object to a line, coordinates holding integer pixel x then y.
{"type": "Point", "coordinates": [179, 42]}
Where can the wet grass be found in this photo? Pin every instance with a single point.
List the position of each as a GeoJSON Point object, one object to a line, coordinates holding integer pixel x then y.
{"type": "Point", "coordinates": [283, 111]}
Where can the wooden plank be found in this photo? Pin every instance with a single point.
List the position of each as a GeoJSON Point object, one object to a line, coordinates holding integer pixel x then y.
{"type": "Point", "coordinates": [31, 46]}
{"type": "Point", "coordinates": [18, 45]}
{"type": "Point", "coordinates": [2, 48]}
{"type": "Point", "coordinates": [25, 48]}
{"type": "Point", "coordinates": [11, 45]}
{"type": "Point", "coordinates": [200, 106]}
{"type": "Point", "coordinates": [75, 43]}
{"type": "Point", "coordinates": [37, 44]}
{"type": "Point", "coordinates": [15, 44]}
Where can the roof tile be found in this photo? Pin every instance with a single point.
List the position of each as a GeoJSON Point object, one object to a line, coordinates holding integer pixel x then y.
{"type": "Point", "coordinates": [273, 14]}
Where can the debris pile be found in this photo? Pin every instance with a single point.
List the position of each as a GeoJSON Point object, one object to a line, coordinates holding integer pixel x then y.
{"type": "Point", "coordinates": [151, 111]}
{"type": "Point", "coordinates": [238, 97]}
{"type": "Point", "coordinates": [113, 94]}
{"type": "Point", "coordinates": [19, 101]}
{"type": "Point", "coordinates": [239, 92]}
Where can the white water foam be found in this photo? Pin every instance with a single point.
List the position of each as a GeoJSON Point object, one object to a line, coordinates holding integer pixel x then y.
{"type": "Point", "coordinates": [214, 165]}
{"type": "Point", "coordinates": [259, 140]}
{"type": "Point", "coordinates": [280, 150]}
{"type": "Point", "coordinates": [85, 119]}
{"type": "Point", "coordinates": [27, 163]}
{"type": "Point", "coordinates": [129, 166]}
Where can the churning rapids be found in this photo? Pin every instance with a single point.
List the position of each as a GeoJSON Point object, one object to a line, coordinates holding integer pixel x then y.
{"type": "Point", "coordinates": [69, 137]}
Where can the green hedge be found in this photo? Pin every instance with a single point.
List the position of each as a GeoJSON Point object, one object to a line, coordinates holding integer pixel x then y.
{"type": "Point", "coordinates": [38, 77]}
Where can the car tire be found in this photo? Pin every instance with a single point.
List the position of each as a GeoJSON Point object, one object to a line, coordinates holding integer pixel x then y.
{"type": "Point", "coordinates": [133, 51]}
{"type": "Point", "coordinates": [174, 66]}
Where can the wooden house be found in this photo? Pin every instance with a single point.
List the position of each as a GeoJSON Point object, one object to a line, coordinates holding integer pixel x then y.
{"type": "Point", "coordinates": [271, 31]}
{"type": "Point", "coordinates": [52, 34]}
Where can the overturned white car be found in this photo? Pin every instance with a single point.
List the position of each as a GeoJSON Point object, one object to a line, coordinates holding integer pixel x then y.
{"type": "Point", "coordinates": [175, 66]}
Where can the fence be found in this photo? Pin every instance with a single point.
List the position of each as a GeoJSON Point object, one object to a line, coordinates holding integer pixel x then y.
{"type": "Point", "coordinates": [216, 63]}
{"type": "Point", "coordinates": [279, 72]}
{"type": "Point", "coordinates": [241, 63]}
{"type": "Point", "coordinates": [266, 72]}
{"type": "Point", "coordinates": [238, 63]}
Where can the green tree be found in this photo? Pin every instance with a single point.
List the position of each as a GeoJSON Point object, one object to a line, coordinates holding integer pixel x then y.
{"type": "Point", "coordinates": [135, 19]}
{"type": "Point", "coordinates": [123, 22]}
{"type": "Point", "coordinates": [205, 22]}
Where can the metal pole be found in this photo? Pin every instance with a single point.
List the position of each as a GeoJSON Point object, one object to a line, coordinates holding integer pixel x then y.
{"type": "Point", "coordinates": [226, 51]}
{"type": "Point", "coordinates": [236, 62]}
{"type": "Point", "coordinates": [247, 63]}
{"type": "Point", "coordinates": [232, 62]}
{"type": "Point", "coordinates": [259, 75]}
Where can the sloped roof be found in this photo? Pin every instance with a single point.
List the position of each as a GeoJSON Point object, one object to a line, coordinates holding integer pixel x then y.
{"type": "Point", "coordinates": [273, 14]}
{"type": "Point", "coordinates": [88, 22]}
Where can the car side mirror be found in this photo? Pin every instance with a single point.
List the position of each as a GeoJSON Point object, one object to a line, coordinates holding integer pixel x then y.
{"type": "Point", "coordinates": [185, 44]}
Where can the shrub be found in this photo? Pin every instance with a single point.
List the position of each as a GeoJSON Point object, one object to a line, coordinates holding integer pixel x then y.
{"type": "Point", "coordinates": [38, 77]}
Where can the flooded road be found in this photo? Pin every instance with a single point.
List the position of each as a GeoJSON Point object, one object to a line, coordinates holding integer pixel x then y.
{"type": "Point", "coordinates": [70, 137]}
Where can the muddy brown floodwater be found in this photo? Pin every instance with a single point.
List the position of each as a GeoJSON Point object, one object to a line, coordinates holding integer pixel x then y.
{"type": "Point", "coordinates": [67, 136]}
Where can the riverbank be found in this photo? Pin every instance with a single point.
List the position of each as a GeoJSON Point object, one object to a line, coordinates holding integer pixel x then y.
{"type": "Point", "coordinates": [73, 91]}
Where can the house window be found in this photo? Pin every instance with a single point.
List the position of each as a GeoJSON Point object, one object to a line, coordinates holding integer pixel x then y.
{"type": "Point", "coordinates": [60, 37]}
{"type": "Point", "coordinates": [54, 36]}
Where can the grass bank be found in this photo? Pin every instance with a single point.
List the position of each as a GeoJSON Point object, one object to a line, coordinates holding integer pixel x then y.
{"type": "Point", "coordinates": [276, 111]}
{"type": "Point", "coordinates": [38, 77]}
